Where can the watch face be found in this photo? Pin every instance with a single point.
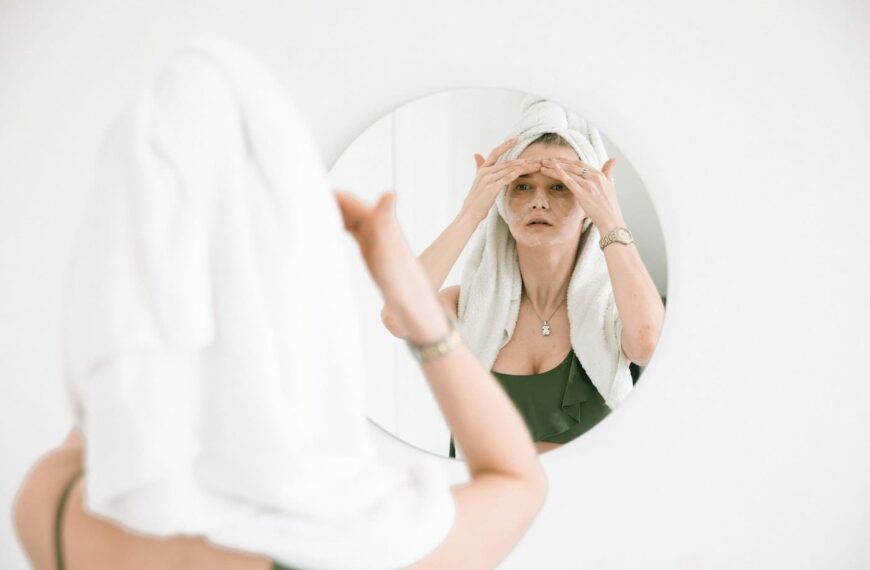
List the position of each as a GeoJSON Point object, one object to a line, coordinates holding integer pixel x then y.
{"type": "Point", "coordinates": [623, 234]}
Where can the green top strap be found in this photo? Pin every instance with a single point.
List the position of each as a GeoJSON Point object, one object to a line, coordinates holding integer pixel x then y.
{"type": "Point", "coordinates": [58, 552]}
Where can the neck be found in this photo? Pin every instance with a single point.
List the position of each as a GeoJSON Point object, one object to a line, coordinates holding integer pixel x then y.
{"type": "Point", "coordinates": [546, 272]}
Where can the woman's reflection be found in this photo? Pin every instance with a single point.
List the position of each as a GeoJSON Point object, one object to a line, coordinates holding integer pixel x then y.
{"type": "Point", "coordinates": [557, 313]}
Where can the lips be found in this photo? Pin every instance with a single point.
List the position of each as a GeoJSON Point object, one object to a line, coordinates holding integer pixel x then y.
{"type": "Point", "coordinates": [539, 222]}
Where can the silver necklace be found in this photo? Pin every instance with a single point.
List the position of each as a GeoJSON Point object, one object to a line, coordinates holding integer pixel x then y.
{"type": "Point", "coordinates": [545, 327]}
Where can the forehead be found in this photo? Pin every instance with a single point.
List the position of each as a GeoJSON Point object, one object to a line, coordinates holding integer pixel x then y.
{"type": "Point", "coordinates": [549, 151]}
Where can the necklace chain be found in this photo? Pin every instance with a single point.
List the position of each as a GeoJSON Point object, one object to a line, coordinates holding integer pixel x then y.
{"type": "Point", "coordinates": [545, 328]}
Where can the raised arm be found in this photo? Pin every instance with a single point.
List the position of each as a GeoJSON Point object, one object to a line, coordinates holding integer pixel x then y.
{"type": "Point", "coordinates": [637, 299]}
{"type": "Point", "coordinates": [508, 485]}
{"type": "Point", "coordinates": [438, 259]}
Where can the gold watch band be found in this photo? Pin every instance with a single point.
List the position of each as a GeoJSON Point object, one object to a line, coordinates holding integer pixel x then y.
{"type": "Point", "coordinates": [621, 235]}
{"type": "Point", "coordinates": [434, 350]}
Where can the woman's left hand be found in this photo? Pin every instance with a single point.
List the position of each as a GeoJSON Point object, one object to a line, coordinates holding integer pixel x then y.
{"type": "Point", "coordinates": [593, 189]}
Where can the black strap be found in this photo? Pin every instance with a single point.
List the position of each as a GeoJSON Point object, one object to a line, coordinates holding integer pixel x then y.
{"type": "Point", "coordinates": [57, 521]}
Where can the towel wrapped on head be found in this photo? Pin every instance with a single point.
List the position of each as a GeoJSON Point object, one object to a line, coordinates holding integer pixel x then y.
{"type": "Point", "coordinates": [491, 285]}
{"type": "Point", "coordinates": [212, 343]}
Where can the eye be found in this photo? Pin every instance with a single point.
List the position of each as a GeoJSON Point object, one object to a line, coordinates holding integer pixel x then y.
{"type": "Point", "coordinates": [521, 186]}
{"type": "Point", "coordinates": [560, 187]}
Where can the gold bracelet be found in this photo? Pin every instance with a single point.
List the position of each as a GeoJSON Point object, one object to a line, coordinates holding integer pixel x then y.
{"type": "Point", "coordinates": [434, 350]}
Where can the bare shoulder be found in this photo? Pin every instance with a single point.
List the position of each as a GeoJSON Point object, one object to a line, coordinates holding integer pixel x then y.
{"type": "Point", "coordinates": [38, 496]}
{"type": "Point", "coordinates": [450, 298]}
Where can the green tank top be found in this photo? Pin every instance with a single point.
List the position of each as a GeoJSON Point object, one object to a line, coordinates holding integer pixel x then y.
{"type": "Point", "coordinates": [557, 405]}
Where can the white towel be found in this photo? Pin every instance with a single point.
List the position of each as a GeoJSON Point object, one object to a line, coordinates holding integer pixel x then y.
{"type": "Point", "coordinates": [212, 343]}
{"type": "Point", "coordinates": [491, 285]}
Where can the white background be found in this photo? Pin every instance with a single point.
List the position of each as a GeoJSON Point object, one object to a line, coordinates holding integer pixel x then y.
{"type": "Point", "coordinates": [425, 151]}
{"type": "Point", "coordinates": [747, 445]}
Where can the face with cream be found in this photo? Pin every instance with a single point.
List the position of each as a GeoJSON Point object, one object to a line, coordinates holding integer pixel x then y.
{"type": "Point", "coordinates": [542, 211]}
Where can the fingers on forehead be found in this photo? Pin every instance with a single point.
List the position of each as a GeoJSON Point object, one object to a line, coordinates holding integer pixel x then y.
{"type": "Point", "coordinates": [507, 165]}
{"type": "Point", "coordinates": [554, 168]}
{"type": "Point", "coordinates": [579, 167]}
{"type": "Point", "coordinates": [557, 173]}
{"type": "Point", "coordinates": [500, 150]}
{"type": "Point", "coordinates": [560, 160]}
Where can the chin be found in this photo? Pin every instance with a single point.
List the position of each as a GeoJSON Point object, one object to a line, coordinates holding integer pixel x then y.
{"type": "Point", "coordinates": [530, 239]}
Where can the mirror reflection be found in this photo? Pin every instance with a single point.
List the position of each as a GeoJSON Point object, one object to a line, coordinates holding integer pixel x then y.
{"type": "Point", "coordinates": [542, 242]}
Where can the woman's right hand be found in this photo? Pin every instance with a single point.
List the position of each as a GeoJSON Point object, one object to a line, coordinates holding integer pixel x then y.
{"type": "Point", "coordinates": [492, 177]}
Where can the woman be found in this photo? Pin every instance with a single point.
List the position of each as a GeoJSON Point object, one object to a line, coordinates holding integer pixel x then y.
{"type": "Point", "coordinates": [551, 196]}
{"type": "Point", "coordinates": [219, 393]}
{"type": "Point", "coordinates": [493, 510]}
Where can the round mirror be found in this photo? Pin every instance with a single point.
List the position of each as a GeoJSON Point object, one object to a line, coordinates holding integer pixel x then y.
{"type": "Point", "coordinates": [509, 234]}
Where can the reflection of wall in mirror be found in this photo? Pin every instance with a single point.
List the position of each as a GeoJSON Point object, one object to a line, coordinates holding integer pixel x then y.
{"type": "Point", "coordinates": [425, 151]}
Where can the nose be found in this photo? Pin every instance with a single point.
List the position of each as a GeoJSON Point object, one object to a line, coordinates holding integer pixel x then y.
{"type": "Point", "coordinates": [539, 200]}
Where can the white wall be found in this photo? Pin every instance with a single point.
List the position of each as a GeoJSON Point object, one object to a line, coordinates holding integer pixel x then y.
{"type": "Point", "coordinates": [746, 446]}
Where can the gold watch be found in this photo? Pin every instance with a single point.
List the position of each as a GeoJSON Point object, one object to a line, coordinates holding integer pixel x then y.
{"type": "Point", "coordinates": [622, 235]}
{"type": "Point", "coordinates": [432, 351]}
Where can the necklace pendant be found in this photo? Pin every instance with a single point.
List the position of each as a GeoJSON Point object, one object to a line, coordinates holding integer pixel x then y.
{"type": "Point", "coordinates": [545, 329]}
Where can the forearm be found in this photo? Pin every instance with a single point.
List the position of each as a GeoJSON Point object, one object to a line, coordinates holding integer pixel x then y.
{"type": "Point", "coordinates": [637, 300]}
{"type": "Point", "coordinates": [437, 261]}
{"type": "Point", "coordinates": [440, 257]}
{"type": "Point", "coordinates": [484, 422]}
